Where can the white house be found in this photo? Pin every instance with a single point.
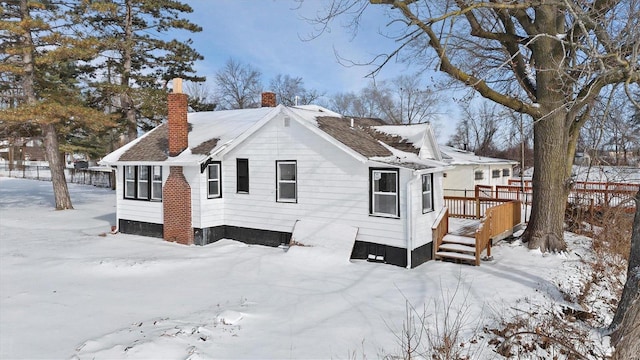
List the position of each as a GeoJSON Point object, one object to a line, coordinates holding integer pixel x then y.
{"type": "Point", "coordinates": [252, 174]}
{"type": "Point", "coordinates": [470, 170]}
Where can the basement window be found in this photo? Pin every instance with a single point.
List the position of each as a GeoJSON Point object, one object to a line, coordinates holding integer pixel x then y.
{"type": "Point", "coordinates": [214, 189]}
{"type": "Point", "coordinates": [384, 192]}
{"type": "Point", "coordinates": [143, 183]}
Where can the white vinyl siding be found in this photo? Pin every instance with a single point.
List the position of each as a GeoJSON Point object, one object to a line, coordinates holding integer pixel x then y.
{"type": "Point", "coordinates": [384, 192]}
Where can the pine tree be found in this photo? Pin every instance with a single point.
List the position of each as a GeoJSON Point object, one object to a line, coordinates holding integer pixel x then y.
{"type": "Point", "coordinates": [136, 62]}
{"type": "Point", "coordinates": [42, 59]}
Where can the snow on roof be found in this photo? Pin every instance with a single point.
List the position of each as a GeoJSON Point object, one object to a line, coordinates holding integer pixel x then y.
{"type": "Point", "coordinates": [463, 157]}
{"type": "Point", "coordinates": [413, 133]}
{"type": "Point", "coordinates": [215, 131]}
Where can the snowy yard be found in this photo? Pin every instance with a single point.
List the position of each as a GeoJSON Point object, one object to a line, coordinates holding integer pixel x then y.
{"type": "Point", "coordinates": [70, 289]}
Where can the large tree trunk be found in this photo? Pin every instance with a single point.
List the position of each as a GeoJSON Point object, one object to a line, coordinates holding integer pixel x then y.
{"type": "Point", "coordinates": [56, 166]}
{"type": "Point", "coordinates": [550, 183]}
{"type": "Point", "coordinates": [52, 151]}
{"type": "Point", "coordinates": [626, 322]}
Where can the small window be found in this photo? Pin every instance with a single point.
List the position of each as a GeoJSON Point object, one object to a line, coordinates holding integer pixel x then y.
{"type": "Point", "coordinates": [130, 182]}
{"type": "Point", "coordinates": [495, 173]}
{"type": "Point", "coordinates": [427, 193]}
{"type": "Point", "coordinates": [286, 178]}
{"type": "Point", "coordinates": [213, 181]}
{"type": "Point", "coordinates": [479, 175]}
{"type": "Point", "coordinates": [242, 175]}
{"type": "Point", "coordinates": [143, 182]}
{"type": "Point", "coordinates": [506, 172]}
{"type": "Point", "coordinates": [384, 192]}
{"type": "Point", "coordinates": [156, 183]}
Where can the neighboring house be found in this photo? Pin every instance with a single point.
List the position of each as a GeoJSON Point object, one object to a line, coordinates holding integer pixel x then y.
{"type": "Point", "coordinates": [252, 174]}
{"type": "Point", "coordinates": [471, 170]}
{"type": "Point", "coordinates": [22, 149]}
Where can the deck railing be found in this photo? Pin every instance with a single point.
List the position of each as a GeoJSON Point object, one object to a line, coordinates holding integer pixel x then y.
{"type": "Point", "coordinates": [470, 207]}
{"type": "Point", "coordinates": [440, 228]}
{"type": "Point", "coordinates": [498, 220]}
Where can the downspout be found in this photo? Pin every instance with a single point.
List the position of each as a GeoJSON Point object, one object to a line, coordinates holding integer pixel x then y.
{"type": "Point", "coordinates": [409, 222]}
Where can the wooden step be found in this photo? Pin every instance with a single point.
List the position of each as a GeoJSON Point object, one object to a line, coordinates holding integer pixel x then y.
{"type": "Point", "coordinates": [453, 247]}
{"type": "Point", "coordinates": [457, 239]}
{"type": "Point", "coordinates": [456, 256]}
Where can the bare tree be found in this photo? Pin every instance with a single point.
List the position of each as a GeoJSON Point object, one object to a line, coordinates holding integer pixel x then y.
{"type": "Point", "coordinates": [201, 98]}
{"type": "Point", "coordinates": [478, 129]}
{"type": "Point", "coordinates": [546, 59]}
{"type": "Point", "coordinates": [290, 91]}
{"type": "Point", "coordinates": [238, 85]}
{"type": "Point", "coordinates": [405, 100]}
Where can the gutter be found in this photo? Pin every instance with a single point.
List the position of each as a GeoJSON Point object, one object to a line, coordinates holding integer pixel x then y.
{"type": "Point", "coordinates": [409, 222]}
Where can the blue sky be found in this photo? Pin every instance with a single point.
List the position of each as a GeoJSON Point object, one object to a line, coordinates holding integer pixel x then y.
{"type": "Point", "coordinates": [267, 34]}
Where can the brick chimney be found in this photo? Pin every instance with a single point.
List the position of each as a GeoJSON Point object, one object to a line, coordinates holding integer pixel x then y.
{"type": "Point", "coordinates": [176, 205]}
{"type": "Point", "coordinates": [177, 119]}
{"type": "Point", "coordinates": [268, 99]}
{"type": "Point", "coordinates": [176, 192]}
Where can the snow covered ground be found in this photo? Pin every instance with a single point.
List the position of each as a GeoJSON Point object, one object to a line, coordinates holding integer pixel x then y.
{"type": "Point", "coordinates": [70, 289]}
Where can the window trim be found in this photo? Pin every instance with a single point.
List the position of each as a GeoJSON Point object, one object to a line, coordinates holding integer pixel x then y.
{"type": "Point", "coordinates": [217, 164]}
{"type": "Point", "coordinates": [372, 193]}
{"type": "Point", "coordinates": [238, 162]}
{"type": "Point", "coordinates": [136, 183]}
{"type": "Point", "coordinates": [295, 181]}
{"type": "Point", "coordinates": [430, 192]}
{"type": "Point", "coordinates": [152, 193]}
{"type": "Point", "coordinates": [130, 182]}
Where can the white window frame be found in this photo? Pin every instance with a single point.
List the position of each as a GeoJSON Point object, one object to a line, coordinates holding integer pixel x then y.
{"type": "Point", "coordinates": [130, 182]}
{"type": "Point", "coordinates": [217, 181]}
{"type": "Point", "coordinates": [376, 174]}
{"type": "Point", "coordinates": [506, 172]}
{"type": "Point", "coordinates": [143, 182]}
{"type": "Point", "coordinates": [479, 175]}
{"type": "Point", "coordinates": [427, 193]}
{"type": "Point", "coordinates": [495, 173]}
{"type": "Point", "coordinates": [279, 181]}
{"type": "Point", "coordinates": [137, 183]}
{"type": "Point", "coordinates": [153, 173]}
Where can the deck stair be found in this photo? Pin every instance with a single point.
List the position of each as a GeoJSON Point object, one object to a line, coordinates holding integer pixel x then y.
{"type": "Point", "coordinates": [457, 248]}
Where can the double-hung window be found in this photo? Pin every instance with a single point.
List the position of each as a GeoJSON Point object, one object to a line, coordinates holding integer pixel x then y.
{"type": "Point", "coordinates": [286, 179]}
{"type": "Point", "coordinates": [384, 192]}
{"type": "Point", "coordinates": [242, 175]}
{"type": "Point", "coordinates": [213, 181]}
{"type": "Point", "coordinates": [427, 193]}
{"type": "Point", "coordinates": [143, 182]}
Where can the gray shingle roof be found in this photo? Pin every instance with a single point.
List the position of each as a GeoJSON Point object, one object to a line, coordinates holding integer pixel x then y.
{"type": "Point", "coordinates": [362, 137]}
{"type": "Point", "coordinates": [154, 147]}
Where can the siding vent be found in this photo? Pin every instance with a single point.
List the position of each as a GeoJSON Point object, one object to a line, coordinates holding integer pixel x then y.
{"type": "Point", "coordinates": [287, 121]}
